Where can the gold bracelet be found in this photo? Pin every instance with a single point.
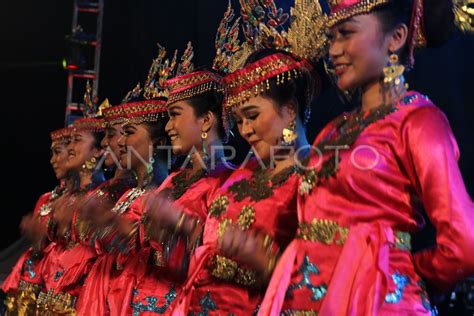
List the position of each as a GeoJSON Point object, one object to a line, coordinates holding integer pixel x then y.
{"type": "Point", "coordinates": [179, 224]}
{"type": "Point", "coordinates": [270, 267]}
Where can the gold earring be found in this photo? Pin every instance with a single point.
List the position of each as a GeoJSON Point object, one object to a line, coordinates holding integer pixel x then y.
{"type": "Point", "coordinates": [394, 86]}
{"type": "Point", "coordinates": [90, 164]}
{"type": "Point", "coordinates": [205, 156]}
{"type": "Point", "coordinates": [289, 134]}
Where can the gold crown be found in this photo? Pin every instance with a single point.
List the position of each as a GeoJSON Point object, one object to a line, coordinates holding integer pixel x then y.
{"type": "Point", "coordinates": [91, 120]}
{"type": "Point", "coordinates": [464, 14]}
{"type": "Point", "coordinates": [160, 70]}
{"type": "Point", "coordinates": [227, 43]}
{"type": "Point", "coordinates": [263, 27]}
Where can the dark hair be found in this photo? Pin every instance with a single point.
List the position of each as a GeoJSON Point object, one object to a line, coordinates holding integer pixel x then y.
{"type": "Point", "coordinates": [209, 101]}
{"type": "Point", "coordinates": [157, 131]}
{"type": "Point", "coordinates": [437, 20]}
{"type": "Point", "coordinates": [98, 136]}
{"type": "Point", "coordinates": [300, 89]}
{"type": "Point", "coordinates": [158, 137]}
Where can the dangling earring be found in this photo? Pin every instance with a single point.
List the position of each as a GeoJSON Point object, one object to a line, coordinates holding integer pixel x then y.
{"type": "Point", "coordinates": [205, 156]}
{"type": "Point", "coordinates": [394, 86]}
{"type": "Point", "coordinates": [90, 164]}
{"type": "Point", "coordinates": [289, 134]}
{"type": "Point", "coordinates": [149, 166]}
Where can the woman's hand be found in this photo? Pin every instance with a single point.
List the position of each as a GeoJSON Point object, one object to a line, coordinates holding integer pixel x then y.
{"type": "Point", "coordinates": [32, 228]}
{"type": "Point", "coordinates": [97, 212]}
{"type": "Point", "coordinates": [247, 247]}
{"type": "Point", "coordinates": [63, 209]}
{"type": "Point", "coordinates": [160, 209]}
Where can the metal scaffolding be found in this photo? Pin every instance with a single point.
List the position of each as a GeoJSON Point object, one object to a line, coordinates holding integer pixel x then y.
{"type": "Point", "coordinates": [86, 35]}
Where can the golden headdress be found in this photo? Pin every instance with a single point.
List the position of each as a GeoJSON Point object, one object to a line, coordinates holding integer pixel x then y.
{"type": "Point", "coordinates": [147, 104]}
{"type": "Point", "coordinates": [188, 83]}
{"type": "Point", "coordinates": [91, 121]}
{"type": "Point", "coordinates": [263, 25]}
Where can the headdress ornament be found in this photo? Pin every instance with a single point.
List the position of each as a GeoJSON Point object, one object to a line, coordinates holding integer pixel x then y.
{"type": "Point", "coordinates": [188, 83]}
{"type": "Point", "coordinates": [61, 135]}
{"type": "Point", "coordinates": [91, 120]}
{"type": "Point", "coordinates": [263, 25]}
{"type": "Point", "coordinates": [341, 10]}
{"type": "Point", "coordinates": [147, 104]}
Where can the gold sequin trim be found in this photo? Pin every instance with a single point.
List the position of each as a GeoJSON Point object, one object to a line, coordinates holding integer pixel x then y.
{"type": "Point", "coordinates": [324, 231]}
{"type": "Point", "coordinates": [157, 258]}
{"type": "Point", "coordinates": [362, 7]}
{"type": "Point", "coordinates": [219, 206]}
{"type": "Point", "coordinates": [23, 301]}
{"type": "Point", "coordinates": [329, 232]}
{"type": "Point", "coordinates": [228, 270]}
{"type": "Point", "coordinates": [246, 217]}
{"type": "Point", "coordinates": [50, 303]}
{"type": "Point", "coordinates": [295, 312]}
{"type": "Point", "coordinates": [223, 268]}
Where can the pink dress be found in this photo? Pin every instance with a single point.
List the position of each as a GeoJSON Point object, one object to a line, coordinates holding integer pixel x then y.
{"type": "Point", "coordinates": [352, 251]}
{"type": "Point", "coordinates": [24, 282]}
{"type": "Point", "coordinates": [113, 254]}
{"type": "Point", "coordinates": [252, 199]}
{"type": "Point", "coordinates": [152, 280]}
{"type": "Point", "coordinates": [72, 262]}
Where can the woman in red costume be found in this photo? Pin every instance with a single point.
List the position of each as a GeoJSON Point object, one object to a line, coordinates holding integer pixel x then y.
{"type": "Point", "coordinates": [63, 267]}
{"type": "Point", "coordinates": [24, 282]}
{"type": "Point", "coordinates": [143, 118]}
{"type": "Point", "coordinates": [253, 215]}
{"type": "Point", "coordinates": [150, 284]}
{"type": "Point", "coordinates": [372, 173]}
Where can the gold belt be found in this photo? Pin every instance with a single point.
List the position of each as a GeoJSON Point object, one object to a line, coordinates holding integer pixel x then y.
{"type": "Point", "coordinates": [228, 270]}
{"type": "Point", "coordinates": [294, 312]}
{"type": "Point", "coordinates": [329, 232]}
{"type": "Point", "coordinates": [63, 303]}
{"type": "Point", "coordinates": [23, 301]}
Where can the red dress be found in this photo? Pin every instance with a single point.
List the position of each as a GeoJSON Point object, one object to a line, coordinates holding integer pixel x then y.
{"type": "Point", "coordinates": [252, 199]}
{"type": "Point", "coordinates": [24, 282]}
{"type": "Point", "coordinates": [154, 277]}
{"type": "Point", "coordinates": [352, 254]}
{"type": "Point", "coordinates": [112, 258]}
{"type": "Point", "coordinates": [68, 268]}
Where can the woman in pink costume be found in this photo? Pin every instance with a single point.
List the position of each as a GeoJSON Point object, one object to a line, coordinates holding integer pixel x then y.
{"type": "Point", "coordinates": [372, 173]}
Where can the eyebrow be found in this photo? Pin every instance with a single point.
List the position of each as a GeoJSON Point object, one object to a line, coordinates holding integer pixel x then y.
{"type": "Point", "coordinates": [248, 108]}
{"type": "Point", "coordinates": [175, 107]}
{"type": "Point", "coordinates": [352, 20]}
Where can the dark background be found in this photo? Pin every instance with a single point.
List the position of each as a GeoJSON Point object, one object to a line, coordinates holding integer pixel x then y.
{"type": "Point", "coordinates": [33, 82]}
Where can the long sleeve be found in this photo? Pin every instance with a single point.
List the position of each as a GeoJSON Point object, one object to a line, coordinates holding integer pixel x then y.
{"type": "Point", "coordinates": [432, 155]}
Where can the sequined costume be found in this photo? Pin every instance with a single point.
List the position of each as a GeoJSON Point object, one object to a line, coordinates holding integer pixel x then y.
{"type": "Point", "coordinates": [150, 283]}
{"type": "Point", "coordinates": [73, 259]}
{"type": "Point", "coordinates": [352, 251]}
{"type": "Point", "coordinates": [113, 252]}
{"type": "Point", "coordinates": [252, 199]}
{"type": "Point", "coordinates": [114, 248]}
{"type": "Point", "coordinates": [24, 282]}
